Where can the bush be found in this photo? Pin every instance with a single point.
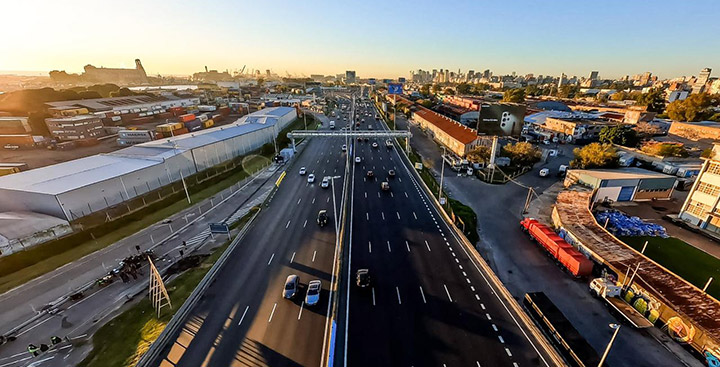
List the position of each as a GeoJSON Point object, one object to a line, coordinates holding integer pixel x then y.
{"type": "Point", "coordinates": [522, 153]}
{"type": "Point", "coordinates": [665, 149]}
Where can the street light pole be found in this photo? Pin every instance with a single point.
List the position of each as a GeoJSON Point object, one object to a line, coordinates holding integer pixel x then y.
{"type": "Point", "coordinates": [442, 175]}
{"type": "Point", "coordinates": [182, 178]}
{"type": "Point", "coordinates": [607, 350]}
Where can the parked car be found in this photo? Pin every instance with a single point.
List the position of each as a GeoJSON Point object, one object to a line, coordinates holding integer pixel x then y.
{"type": "Point", "coordinates": [312, 297]}
{"type": "Point", "coordinates": [291, 286]}
{"type": "Point", "coordinates": [544, 172]}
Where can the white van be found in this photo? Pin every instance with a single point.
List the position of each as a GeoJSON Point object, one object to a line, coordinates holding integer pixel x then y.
{"type": "Point", "coordinates": [332, 124]}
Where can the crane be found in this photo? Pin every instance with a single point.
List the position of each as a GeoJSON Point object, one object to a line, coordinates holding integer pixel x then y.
{"type": "Point", "coordinates": [243, 69]}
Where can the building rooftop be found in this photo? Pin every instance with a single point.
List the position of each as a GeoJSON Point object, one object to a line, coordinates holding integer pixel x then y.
{"type": "Point", "coordinates": [711, 124]}
{"type": "Point", "coordinates": [14, 225]}
{"type": "Point", "coordinates": [631, 173]}
{"type": "Point", "coordinates": [102, 104]}
{"type": "Point", "coordinates": [572, 208]}
{"type": "Point", "coordinates": [73, 118]}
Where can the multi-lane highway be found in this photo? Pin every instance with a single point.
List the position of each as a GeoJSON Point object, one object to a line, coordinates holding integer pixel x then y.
{"type": "Point", "coordinates": [429, 304]}
{"type": "Point", "coordinates": [243, 320]}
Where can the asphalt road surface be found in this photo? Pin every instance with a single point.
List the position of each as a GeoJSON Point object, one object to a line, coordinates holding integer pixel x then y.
{"type": "Point", "coordinates": [428, 303]}
{"type": "Point", "coordinates": [243, 320]}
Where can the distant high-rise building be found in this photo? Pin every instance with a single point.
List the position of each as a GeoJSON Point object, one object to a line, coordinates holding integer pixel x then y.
{"type": "Point", "coordinates": [470, 75]}
{"type": "Point", "coordinates": [645, 78]}
{"type": "Point", "coordinates": [702, 79]}
{"type": "Point", "coordinates": [350, 76]}
{"type": "Point", "coordinates": [593, 75]}
{"type": "Point", "coordinates": [562, 80]}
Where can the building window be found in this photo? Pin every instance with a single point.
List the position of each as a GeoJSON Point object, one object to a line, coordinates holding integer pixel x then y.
{"type": "Point", "coordinates": [709, 189]}
{"type": "Point", "coordinates": [698, 209]}
{"type": "Point", "coordinates": [714, 168]}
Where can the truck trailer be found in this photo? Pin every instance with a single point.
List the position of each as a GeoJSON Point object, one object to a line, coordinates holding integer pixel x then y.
{"type": "Point", "coordinates": [612, 294]}
{"type": "Point", "coordinates": [566, 255]}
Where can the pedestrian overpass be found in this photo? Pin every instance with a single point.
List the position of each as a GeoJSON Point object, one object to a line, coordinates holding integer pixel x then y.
{"type": "Point", "coordinates": [350, 134]}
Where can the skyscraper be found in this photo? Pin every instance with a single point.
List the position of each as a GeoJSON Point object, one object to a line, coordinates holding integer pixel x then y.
{"type": "Point", "coordinates": [562, 80]}
{"type": "Point", "coordinates": [350, 76]}
{"type": "Point", "coordinates": [593, 75]}
{"type": "Point", "coordinates": [702, 79]}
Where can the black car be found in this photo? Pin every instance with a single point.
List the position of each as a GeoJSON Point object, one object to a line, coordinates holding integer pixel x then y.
{"type": "Point", "coordinates": [370, 173]}
{"type": "Point", "coordinates": [322, 218]}
{"type": "Point", "coordinates": [362, 278]}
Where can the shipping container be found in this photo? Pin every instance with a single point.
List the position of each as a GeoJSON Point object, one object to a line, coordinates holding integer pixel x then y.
{"type": "Point", "coordinates": [187, 117]}
{"type": "Point", "coordinates": [167, 128]}
{"type": "Point", "coordinates": [202, 118]}
{"type": "Point", "coordinates": [194, 125]}
{"type": "Point", "coordinates": [8, 170]}
{"type": "Point", "coordinates": [208, 123]}
{"type": "Point", "coordinates": [180, 131]}
{"type": "Point", "coordinates": [67, 145]}
{"type": "Point", "coordinates": [565, 254]}
{"type": "Point", "coordinates": [207, 108]}
{"type": "Point", "coordinates": [87, 142]}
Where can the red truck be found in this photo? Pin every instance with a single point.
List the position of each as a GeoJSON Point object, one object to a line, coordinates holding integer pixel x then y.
{"type": "Point", "coordinates": [572, 260]}
{"type": "Point", "coordinates": [187, 117]}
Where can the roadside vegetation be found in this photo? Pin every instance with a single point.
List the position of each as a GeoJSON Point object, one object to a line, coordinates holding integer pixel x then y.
{"type": "Point", "coordinates": [139, 326]}
{"type": "Point", "coordinates": [595, 155]}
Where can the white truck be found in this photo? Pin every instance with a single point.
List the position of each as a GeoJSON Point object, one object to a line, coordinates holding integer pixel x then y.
{"type": "Point", "coordinates": [612, 294]}
{"type": "Point", "coordinates": [332, 124]}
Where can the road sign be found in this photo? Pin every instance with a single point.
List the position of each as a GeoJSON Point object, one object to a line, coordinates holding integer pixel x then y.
{"type": "Point", "coordinates": [395, 88]}
{"type": "Point", "coordinates": [219, 228]}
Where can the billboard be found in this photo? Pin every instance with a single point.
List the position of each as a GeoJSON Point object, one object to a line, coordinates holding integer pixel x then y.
{"type": "Point", "coordinates": [502, 119]}
{"type": "Point", "coordinates": [395, 88]}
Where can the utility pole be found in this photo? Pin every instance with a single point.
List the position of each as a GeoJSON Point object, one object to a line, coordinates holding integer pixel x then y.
{"type": "Point", "coordinates": [607, 350]}
{"type": "Point", "coordinates": [442, 175]}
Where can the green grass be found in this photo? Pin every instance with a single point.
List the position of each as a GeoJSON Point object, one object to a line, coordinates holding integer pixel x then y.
{"type": "Point", "coordinates": [688, 262]}
{"type": "Point", "coordinates": [19, 268]}
{"type": "Point", "coordinates": [138, 325]}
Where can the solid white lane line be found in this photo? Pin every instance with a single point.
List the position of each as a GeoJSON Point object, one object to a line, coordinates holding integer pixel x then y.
{"type": "Point", "coordinates": [272, 312]}
{"type": "Point", "coordinates": [314, 253]}
{"type": "Point", "coordinates": [477, 297]}
{"type": "Point", "coordinates": [427, 245]}
{"type": "Point", "coordinates": [407, 245]}
{"type": "Point", "coordinates": [373, 294]}
{"type": "Point", "coordinates": [457, 261]}
{"type": "Point", "coordinates": [422, 294]}
{"type": "Point", "coordinates": [367, 216]}
{"type": "Point", "coordinates": [478, 364]}
{"type": "Point", "coordinates": [305, 224]}
{"type": "Point", "coordinates": [415, 215]}
{"type": "Point", "coordinates": [378, 194]}
{"type": "Point", "coordinates": [488, 316]}
{"type": "Point", "coordinates": [494, 327]}
{"type": "Point", "coordinates": [501, 339]}
{"type": "Point", "coordinates": [313, 201]}
{"type": "Point", "coordinates": [397, 290]}
{"type": "Point", "coordinates": [328, 200]}
{"type": "Point", "coordinates": [383, 215]}
{"type": "Point", "coordinates": [482, 305]}
{"type": "Point", "coordinates": [301, 308]}
{"type": "Point", "coordinates": [447, 292]}
{"type": "Point", "coordinates": [460, 266]}
{"type": "Point", "coordinates": [369, 247]}
{"type": "Point", "coordinates": [389, 249]}
{"type": "Point", "coordinates": [468, 280]}
{"type": "Point", "coordinates": [298, 203]}
{"type": "Point", "coordinates": [287, 225]}
{"type": "Point", "coordinates": [271, 258]}
{"type": "Point", "coordinates": [243, 315]}
{"type": "Point", "coordinates": [406, 195]}
{"type": "Point", "coordinates": [391, 194]}
{"type": "Point", "coordinates": [292, 258]}
{"type": "Point", "coordinates": [399, 179]}
{"type": "Point", "coordinates": [472, 288]}
{"type": "Point", "coordinates": [398, 215]}
{"type": "Point", "coordinates": [508, 352]}
{"type": "Point", "coordinates": [366, 195]}
{"type": "Point", "coordinates": [464, 274]}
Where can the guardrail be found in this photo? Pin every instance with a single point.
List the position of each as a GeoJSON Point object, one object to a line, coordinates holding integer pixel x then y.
{"type": "Point", "coordinates": [499, 287]}
{"type": "Point", "coordinates": [157, 347]}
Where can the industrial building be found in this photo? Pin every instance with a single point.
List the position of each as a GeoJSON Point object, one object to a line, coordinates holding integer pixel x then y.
{"type": "Point", "coordinates": [577, 129]}
{"type": "Point", "coordinates": [701, 206]}
{"type": "Point", "coordinates": [73, 189]}
{"type": "Point", "coordinates": [456, 137]}
{"type": "Point", "coordinates": [695, 131]}
{"type": "Point", "coordinates": [627, 184]}
{"type": "Point", "coordinates": [122, 104]}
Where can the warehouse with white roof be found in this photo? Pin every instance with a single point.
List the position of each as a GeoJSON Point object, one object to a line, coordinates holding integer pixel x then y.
{"type": "Point", "coordinates": [73, 189]}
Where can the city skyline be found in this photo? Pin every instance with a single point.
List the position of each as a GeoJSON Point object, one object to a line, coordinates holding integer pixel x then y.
{"type": "Point", "coordinates": [619, 39]}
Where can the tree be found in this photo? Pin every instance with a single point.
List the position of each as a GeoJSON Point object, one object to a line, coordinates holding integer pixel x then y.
{"type": "Point", "coordinates": [664, 149]}
{"type": "Point", "coordinates": [654, 100]}
{"type": "Point", "coordinates": [693, 108]}
{"type": "Point", "coordinates": [463, 88]}
{"type": "Point", "coordinates": [618, 135]}
{"type": "Point", "coordinates": [436, 88]}
{"type": "Point", "coordinates": [89, 94]}
{"type": "Point", "coordinates": [260, 82]}
{"type": "Point", "coordinates": [522, 153]}
{"type": "Point", "coordinates": [449, 91]}
{"type": "Point", "coordinates": [568, 91]}
{"type": "Point", "coordinates": [425, 89]}
{"type": "Point", "coordinates": [425, 103]}
{"type": "Point", "coordinates": [706, 153]}
{"type": "Point", "coordinates": [594, 155]}
{"type": "Point", "coordinates": [646, 129]}
{"type": "Point", "coordinates": [514, 95]}
{"type": "Point", "coordinates": [122, 92]}
{"type": "Point", "coordinates": [533, 90]}
{"type": "Point", "coordinates": [480, 154]}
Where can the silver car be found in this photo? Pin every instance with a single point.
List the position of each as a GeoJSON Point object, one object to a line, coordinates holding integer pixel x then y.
{"type": "Point", "coordinates": [313, 293]}
{"type": "Point", "coordinates": [291, 286]}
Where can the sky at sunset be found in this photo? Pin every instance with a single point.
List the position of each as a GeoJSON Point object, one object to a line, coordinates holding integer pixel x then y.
{"type": "Point", "coordinates": [375, 38]}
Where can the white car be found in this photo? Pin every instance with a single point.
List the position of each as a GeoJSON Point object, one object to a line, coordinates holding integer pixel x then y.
{"type": "Point", "coordinates": [344, 148]}
{"type": "Point", "coordinates": [358, 160]}
{"type": "Point", "coordinates": [303, 171]}
{"type": "Point", "coordinates": [374, 145]}
{"type": "Point", "coordinates": [544, 172]}
{"type": "Point", "coordinates": [313, 293]}
{"type": "Point", "coordinates": [325, 183]}
{"type": "Point", "coordinates": [311, 178]}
